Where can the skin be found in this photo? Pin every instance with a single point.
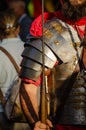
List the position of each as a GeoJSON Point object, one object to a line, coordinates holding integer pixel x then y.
{"type": "Point", "coordinates": [32, 90]}
{"type": "Point", "coordinates": [76, 2]}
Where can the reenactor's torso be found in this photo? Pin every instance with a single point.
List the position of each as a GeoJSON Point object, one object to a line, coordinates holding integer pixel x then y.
{"type": "Point", "coordinates": [61, 43]}
{"type": "Point", "coordinates": [68, 94]}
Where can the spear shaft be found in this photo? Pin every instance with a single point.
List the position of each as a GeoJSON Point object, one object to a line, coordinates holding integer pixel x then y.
{"type": "Point", "coordinates": [43, 94]}
{"type": "Point", "coordinates": [44, 97]}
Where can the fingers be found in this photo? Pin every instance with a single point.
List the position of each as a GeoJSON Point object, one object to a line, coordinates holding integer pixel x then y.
{"type": "Point", "coordinates": [39, 126]}
{"type": "Point", "coordinates": [49, 123]}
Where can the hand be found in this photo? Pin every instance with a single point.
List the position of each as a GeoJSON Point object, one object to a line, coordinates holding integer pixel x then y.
{"type": "Point", "coordinates": [47, 72]}
{"type": "Point", "coordinates": [39, 125]}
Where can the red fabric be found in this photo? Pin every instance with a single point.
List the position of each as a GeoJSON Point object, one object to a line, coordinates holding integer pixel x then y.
{"type": "Point", "coordinates": [37, 8]}
{"type": "Point", "coordinates": [36, 83]}
{"type": "Point", "coordinates": [29, 81]}
{"type": "Point", "coordinates": [36, 28]}
{"type": "Point", "coordinates": [68, 127]}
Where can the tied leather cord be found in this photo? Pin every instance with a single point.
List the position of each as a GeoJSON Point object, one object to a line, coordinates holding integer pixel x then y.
{"type": "Point", "coordinates": [2, 98]}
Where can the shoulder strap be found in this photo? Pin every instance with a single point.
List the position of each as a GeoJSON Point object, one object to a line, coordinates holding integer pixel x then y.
{"type": "Point", "coordinates": [11, 58]}
{"type": "Point", "coordinates": [16, 67]}
{"type": "Point", "coordinates": [2, 98]}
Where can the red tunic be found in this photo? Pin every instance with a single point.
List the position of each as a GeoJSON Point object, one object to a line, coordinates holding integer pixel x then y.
{"type": "Point", "coordinates": [36, 28]}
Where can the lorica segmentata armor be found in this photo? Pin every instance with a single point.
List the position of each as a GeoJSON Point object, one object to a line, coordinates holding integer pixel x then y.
{"type": "Point", "coordinates": [61, 43]}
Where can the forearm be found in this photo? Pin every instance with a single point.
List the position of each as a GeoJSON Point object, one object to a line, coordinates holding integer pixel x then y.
{"type": "Point", "coordinates": [29, 102]}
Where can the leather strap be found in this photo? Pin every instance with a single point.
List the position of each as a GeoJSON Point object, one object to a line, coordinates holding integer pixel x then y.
{"type": "Point", "coordinates": [11, 58]}
{"type": "Point", "coordinates": [2, 98]}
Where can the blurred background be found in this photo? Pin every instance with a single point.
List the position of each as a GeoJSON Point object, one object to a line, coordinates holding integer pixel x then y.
{"type": "Point", "coordinates": [33, 7]}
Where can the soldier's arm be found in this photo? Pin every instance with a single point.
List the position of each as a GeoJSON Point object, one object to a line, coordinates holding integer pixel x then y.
{"type": "Point", "coordinates": [56, 49]}
{"type": "Point", "coordinates": [31, 69]}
